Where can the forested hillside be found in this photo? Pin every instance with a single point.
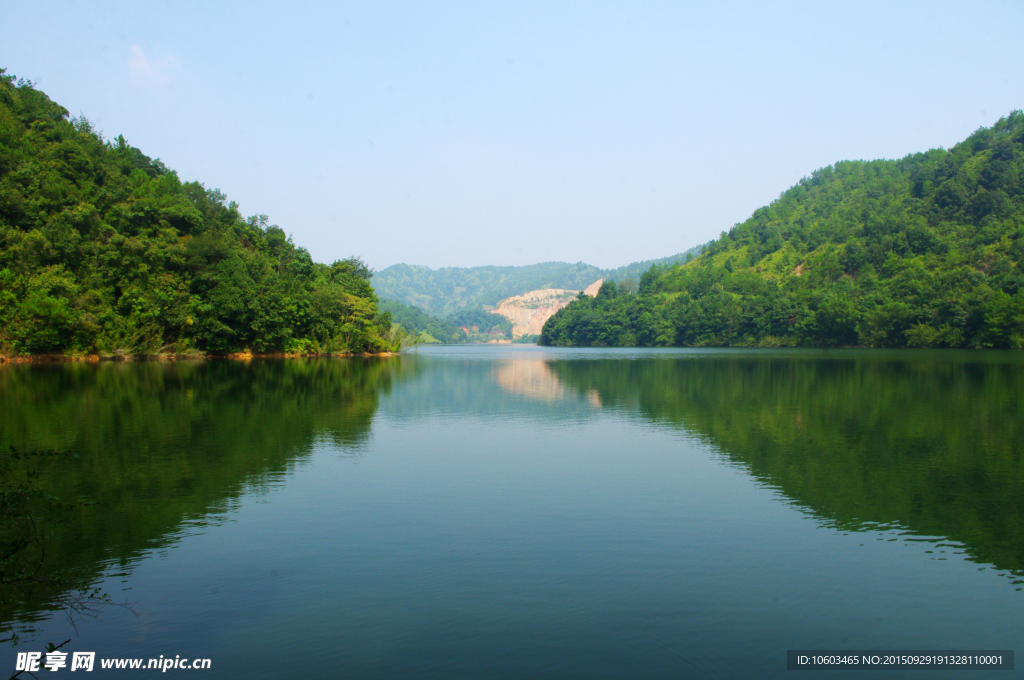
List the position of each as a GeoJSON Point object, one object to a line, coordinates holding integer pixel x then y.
{"type": "Point", "coordinates": [925, 251]}
{"type": "Point", "coordinates": [443, 292]}
{"type": "Point", "coordinates": [466, 325]}
{"type": "Point", "coordinates": [429, 328]}
{"type": "Point", "coordinates": [103, 250]}
{"type": "Point", "coordinates": [635, 270]}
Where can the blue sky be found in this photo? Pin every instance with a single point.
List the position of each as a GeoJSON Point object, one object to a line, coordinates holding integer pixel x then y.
{"type": "Point", "coordinates": [464, 134]}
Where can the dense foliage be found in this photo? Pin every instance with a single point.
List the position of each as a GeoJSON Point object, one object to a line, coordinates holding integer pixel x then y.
{"type": "Point", "coordinates": [469, 324]}
{"type": "Point", "coordinates": [925, 251]}
{"type": "Point", "coordinates": [428, 328]}
{"type": "Point", "coordinates": [445, 291]}
{"type": "Point", "coordinates": [103, 250]}
{"type": "Point", "coordinates": [482, 325]}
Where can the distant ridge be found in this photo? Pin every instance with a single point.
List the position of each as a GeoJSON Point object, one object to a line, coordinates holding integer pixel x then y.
{"type": "Point", "coordinates": [444, 291]}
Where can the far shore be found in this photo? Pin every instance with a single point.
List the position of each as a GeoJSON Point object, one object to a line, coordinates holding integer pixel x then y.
{"type": "Point", "coordinates": [235, 356]}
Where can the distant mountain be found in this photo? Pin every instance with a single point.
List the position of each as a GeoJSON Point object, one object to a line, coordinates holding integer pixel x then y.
{"type": "Point", "coordinates": [443, 292]}
{"type": "Point", "coordinates": [636, 270]}
{"type": "Point", "coordinates": [428, 327]}
{"type": "Point", "coordinates": [466, 325]}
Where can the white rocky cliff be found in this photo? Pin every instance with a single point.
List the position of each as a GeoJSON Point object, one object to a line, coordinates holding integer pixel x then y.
{"type": "Point", "coordinates": [529, 311]}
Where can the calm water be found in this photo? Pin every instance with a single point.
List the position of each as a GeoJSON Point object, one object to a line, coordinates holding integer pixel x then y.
{"type": "Point", "coordinates": [518, 512]}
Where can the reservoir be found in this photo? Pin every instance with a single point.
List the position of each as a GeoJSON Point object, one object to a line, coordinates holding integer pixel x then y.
{"type": "Point", "coordinates": [523, 512]}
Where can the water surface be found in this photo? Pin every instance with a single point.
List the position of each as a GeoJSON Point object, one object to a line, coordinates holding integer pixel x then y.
{"type": "Point", "coordinates": [508, 512]}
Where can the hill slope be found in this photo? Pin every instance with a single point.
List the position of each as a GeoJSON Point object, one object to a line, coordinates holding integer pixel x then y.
{"type": "Point", "coordinates": [924, 251]}
{"type": "Point", "coordinates": [103, 250]}
{"type": "Point", "coordinates": [444, 291]}
{"type": "Point", "coordinates": [417, 322]}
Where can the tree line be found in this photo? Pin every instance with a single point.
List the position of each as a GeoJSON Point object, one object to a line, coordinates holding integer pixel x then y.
{"type": "Point", "coordinates": [104, 250]}
{"type": "Point", "coordinates": [924, 251]}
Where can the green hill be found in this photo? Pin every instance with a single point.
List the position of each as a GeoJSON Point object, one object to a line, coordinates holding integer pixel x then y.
{"type": "Point", "coordinates": [443, 292]}
{"type": "Point", "coordinates": [637, 269]}
{"type": "Point", "coordinates": [103, 250]}
{"type": "Point", "coordinates": [418, 322]}
{"type": "Point", "coordinates": [924, 251]}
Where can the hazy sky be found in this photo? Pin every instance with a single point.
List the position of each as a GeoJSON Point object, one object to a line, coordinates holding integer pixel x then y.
{"type": "Point", "coordinates": [463, 134]}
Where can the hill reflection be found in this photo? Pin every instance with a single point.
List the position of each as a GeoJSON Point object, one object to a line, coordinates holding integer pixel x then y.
{"type": "Point", "coordinates": [927, 442]}
{"type": "Point", "coordinates": [159, 448]}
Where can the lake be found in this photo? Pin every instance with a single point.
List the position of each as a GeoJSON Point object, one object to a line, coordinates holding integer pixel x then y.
{"type": "Point", "coordinates": [525, 512]}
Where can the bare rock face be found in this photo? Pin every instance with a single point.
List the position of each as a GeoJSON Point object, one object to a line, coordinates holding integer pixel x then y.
{"type": "Point", "coordinates": [529, 311]}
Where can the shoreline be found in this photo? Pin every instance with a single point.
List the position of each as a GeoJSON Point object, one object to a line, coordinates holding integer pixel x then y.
{"type": "Point", "coordinates": [231, 356]}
